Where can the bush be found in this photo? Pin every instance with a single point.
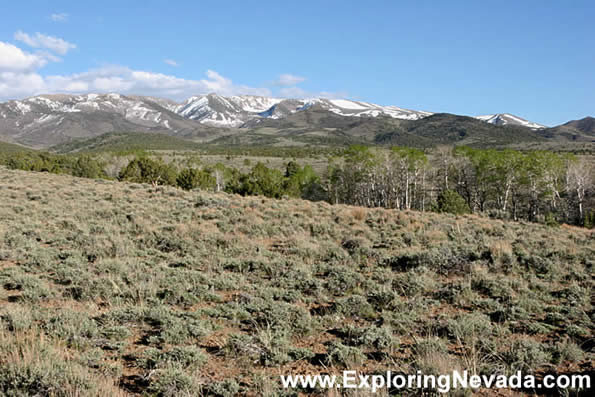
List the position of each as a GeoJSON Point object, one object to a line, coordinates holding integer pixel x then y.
{"type": "Point", "coordinates": [31, 366]}
{"type": "Point", "coordinates": [452, 202]}
{"type": "Point", "coordinates": [526, 355]}
{"type": "Point", "coordinates": [379, 338]}
{"type": "Point", "coordinates": [225, 388]}
{"type": "Point", "coordinates": [80, 166]}
{"type": "Point", "coordinates": [183, 357]}
{"type": "Point", "coordinates": [346, 356]}
{"type": "Point", "coordinates": [87, 167]}
{"type": "Point", "coordinates": [261, 181]}
{"type": "Point", "coordinates": [146, 170]}
{"type": "Point", "coordinates": [567, 351]}
{"type": "Point", "coordinates": [172, 382]}
{"type": "Point", "coordinates": [267, 347]}
{"type": "Point", "coordinates": [431, 356]}
{"type": "Point", "coordinates": [192, 178]}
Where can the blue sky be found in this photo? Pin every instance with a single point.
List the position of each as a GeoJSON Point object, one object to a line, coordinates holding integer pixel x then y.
{"type": "Point", "coordinates": [535, 59]}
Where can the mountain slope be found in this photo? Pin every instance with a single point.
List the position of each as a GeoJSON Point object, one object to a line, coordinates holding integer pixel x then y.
{"type": "Point", "coordinates": [221, 111]}
{"type": "Point", "coordinates": [443, 128]}
{"type": "Point", "coordinates": [345, 107]}
{"type": "Point", "coordinates": [235, 111]}
{"type": "Point", "coordinates": [317, 125]}
{"type": "Point", "coordinates": [125, 141]}
{"type": "Point", "coordinates": [585, 125]}
{"type": "Point", "coordinates": [509, 119]}
{"type": "Point", "coordinates": [582, 130]}
{"type": "Point", "coordinates": [50, 119]}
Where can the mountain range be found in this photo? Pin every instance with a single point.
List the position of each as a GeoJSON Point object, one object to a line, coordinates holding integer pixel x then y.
{"type": "Point", "coordinates": [46, 120]}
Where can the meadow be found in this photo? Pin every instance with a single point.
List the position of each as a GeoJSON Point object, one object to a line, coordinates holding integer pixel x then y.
{"type": "Point", "coordinates": [116, 288]}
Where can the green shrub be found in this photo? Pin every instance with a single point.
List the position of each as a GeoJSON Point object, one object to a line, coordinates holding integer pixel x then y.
{"type": "Point", "coordinates": [16, 319]}
{"type": "Point", "coordinates": [184, 357]}
{"type": "Point", "coordinates": [87, 167]}
{"type": "Point", "coordinates": [567, 351]}
{"type": "Point", "coordinates": [268, 347]}
{"type": "Point", "coordinates": [172, 382]}
{"type": "Point", "coordinates": [345, 356]}
{"type": "Point", "coordinates": [452, 202]}
{"type": "Point", "coordinates": [31, 366]}
{"type": "Point", "coordinates": [146, 170]}
{"type": "Point", "coordinates": [77, 329]}
{"type": "Point", "coordinates": [225, 388]}
{"type": "Point", "coordinates": [526, 355]}
{"type": "Point", "coordinates": [378, 338]}
{"type": "Point", "coordinates": [192, 178]}
{"type": "Point", "coordinates": [356, 305]}
{"type": "Point", "coordinates": [262, 181]}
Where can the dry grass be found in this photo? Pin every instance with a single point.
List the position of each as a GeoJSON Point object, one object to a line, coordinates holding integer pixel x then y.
{"type": "Point", "coordinates": [100, 274]}
{"type": "Point", "coordinates": [359, 213]}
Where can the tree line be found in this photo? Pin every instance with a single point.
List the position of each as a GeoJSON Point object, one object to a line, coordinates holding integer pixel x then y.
{"type": "Point", "coordinates": [540, 186]}
{"type": "Point", "coordinates": [532, 185]}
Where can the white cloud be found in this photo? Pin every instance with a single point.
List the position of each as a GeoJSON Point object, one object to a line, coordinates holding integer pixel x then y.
{"type": "Point", "coordinates": [333, 95]}
{"type": "Point", "coordinates": [121, 80]}
{"type": "Point", "coordinates": [20, 77]}
{"type": "Point", "coordinates": [293, 92]}
{"type": "Point", "coordinates": [20, 84]}
{"type": "Point", "coordinates": [60, 17]}
{"type": "Point", "coordinates": [288, 88]}
{"type": "Point", "coordinates": [288, 80]}
{"type": "Point", "coordinates": [297, 92]}
{"type": "Point", "coordinates": [43, 41]}
{"type": "Point", "coordinates": [12, 58]}
{"type": "Point", "coordinates": [224, 86]}
{"type": "Point", "coordinates": [171, 62]}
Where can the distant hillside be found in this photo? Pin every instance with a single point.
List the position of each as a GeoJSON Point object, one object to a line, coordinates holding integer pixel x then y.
{"type": "Point", "coordinates": [6, 147]}
{"type": "Point", "coordinates": [444, 128]}
{"type": "Point", "coordinates": [582, 130]}
{"type": "Point", "coordinates": [586, 125]}
{"type": "Point", "coordinates": [509, 119]}
{"type": "Point", "coordinates": [122, 141]}
{"type": "Point", "coordinates": [46, 120]}
{"type": "Point", "coordinates": [318, 125]}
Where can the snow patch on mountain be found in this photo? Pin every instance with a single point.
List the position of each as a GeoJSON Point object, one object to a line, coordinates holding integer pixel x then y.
{"type": "Point", "coordinates": [345, 104]}
{"type": "Point", "coordinates": [509, 119]}
{"type": "Point", "coordinates": [32, 119]}
{"type": "Point", "coordinates": [222, 111]}
{"type": "Point", "coordinates": [236, 110]}
{"type": "Point", "coordinates": [345, 107]}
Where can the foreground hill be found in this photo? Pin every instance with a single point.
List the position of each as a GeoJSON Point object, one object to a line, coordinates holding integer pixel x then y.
{"type": "Point", "coordinates": [110, 288]}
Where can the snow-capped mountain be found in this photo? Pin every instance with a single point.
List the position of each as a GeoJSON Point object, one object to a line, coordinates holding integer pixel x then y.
{"type": "Point", "coordinates": [234, 111]}
{"type": "Point", "coordinates": [509, 119]}
{"type": "Point", "coordinates": [222, 111]}
{"type": "Point", "coordinates": [48, 119]}
{"type": "Point", "coordinates": [344, 107]}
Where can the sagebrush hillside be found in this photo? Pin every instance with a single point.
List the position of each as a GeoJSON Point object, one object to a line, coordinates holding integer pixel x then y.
{"type": "Point", "coordinates": [111, 288]}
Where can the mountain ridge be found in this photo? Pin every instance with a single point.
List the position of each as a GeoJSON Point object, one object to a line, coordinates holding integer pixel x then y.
{"type": "Point", "coordinates": [47, 120]}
